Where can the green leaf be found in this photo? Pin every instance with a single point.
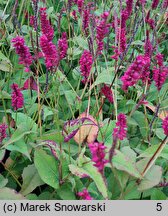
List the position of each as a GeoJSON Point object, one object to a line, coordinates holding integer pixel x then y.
{"type": "Point", "coordinates": [81, 42]}
{"type": "Point", "coordinates": [157, 194]}
{"type": "Point", "coordinates": [2, 154]}
{"type": "Point", "coordinates": [16, 136]}
{"type": "Point", "coordinates": [3, 181]}
{"type": "Point", "coordinates": [19, 146]}
{"type": "Point", "coordinates": [152, 177]}
{"type": "Point", "coordinates": [47, 167]}
{"type": "Point", "coordinates": [31, 179]}
{"type": "Point", "coordinates": [105, 133]}
{"type": "Point", "coordinates": [5, 66]}
{"type": "Point", "coordinates": [138, 42]}
{"type": "Point", "coordinates": [93, 191]}
{"type": "Point", "coordinates": [9, 194]}
{"type": "Point", "coordinates": [123, 178]}
{"type": "Point", "coordinates": [89, 169]}
{"type": "Point", "coordinates": [105, 77]}
{"type": "Point", "coordinates": [131, 122]}
{"type": "Point", "coordinates": [75, 53]}
{"type": "Point", "coordinates": [77, 171]}
{"type": "Point", "coordinates": [122, 162]}
{"type": "Point", "coordinates": [4, 95]}
{"type": "Point", "coordinates": [46, 195]}
{"type": "Point", "coordinates": [159, 133]}
{"type": "Point", "coordinates": [32, 197]}
{"type": "Point", "coordinates": [131, 191]}
{"type": "Point", "coordinates": [52, 135]}
{"type": "Point", "coordinates": [80, 157]}
{"type": "Point", "coordinates": [65, 192]}
{"type": "Point", "coordinates": [25, 122]}
{"type": "Point", "coordinates": [64, 160]}
{"type": "Point", "coordinates": [148, 153]}
{"type": "Point", "coordinates": [126, 150]}
{"type": "Point", "coordinates": [47, 112]}
{"type": "Point", "coordinates": [141, 120]}
{"type": "Point", "coordinates": [3, 57]}
{"type": "Point", "coordinates": [70, 97]}
{"type": "Point", "coordinates": [29, 98]}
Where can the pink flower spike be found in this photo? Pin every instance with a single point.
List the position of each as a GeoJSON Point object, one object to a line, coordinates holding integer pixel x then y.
{"type": "Point", "coordinates": [159, 59]}
{"type": "Point", "coordinates": [165, 4]}
{"type": "Point", "coordinates": [160, 73]}
{"type": "Point", "coordinates": [17, 97]}
{"type": "Point", "coordinates": [31, 21]}
{"type": "Point", "coordinates": [85, 62]}
{"type": "Point", "coordinates": [121, 34]}
{"type": "Point", "coordinates": [148, 46]}
{"type": "Point", "coordinates": [85, 195]}
{"type": "Point", "coordinates": [124, 17]}
{"type": "Point", "coordinates": [159, 76]}
{"type": "Point", "coordinates": [30, 83]}
{"type": "Point", "coordinates": [116, 53]}
{"type": "Point", "coordinates": [165, 126]}
{"type": "Point", "coordinates": [98, 155]}
{"type": "Point", "coordinates": [129, 4]}
{"type": "Point", "coordinates": [120, 131]}
{"type": "Point", "coordinates": [150, 21]}
{"type": "Point", "coordinates": [74, 15]}
{"type": "Point", "coordinates": [50, 52]}
{"type": "Point", "coordinates": [139, 69]}
{"type": "Point", "coordinates": [80, 5]}
{"type": "Point", "coordinates": [143, 2]}
{"type": "Point", "coordinates": [46, 28]}
{"type": "Point", "coordinates": [107, 92]}
{"type": "Point", "coordinates": [23, 51]}
{"type": "Point", "coordinates": [62, 46]}
{"type": "Point", "coordinates": [155, 4]}
{"type": "Point", "coordinates": [123, 40]}
{"type": "Point", "coordinates": [85, 19]}
{"type": "Point", "coordinates": [101, 31]}
{"type": "Point", "coordinates": [3, 134]}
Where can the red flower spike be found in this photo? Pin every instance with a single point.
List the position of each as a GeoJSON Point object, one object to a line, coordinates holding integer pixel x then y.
{"type": "Point", "coordinates": [84, 195]}
{"type": "Point", "coordinates": [23, 51]}
{"type": "Point", "coordinates": [155, 4]}
{"type": "Point", "coordinates": [85, 62]}
{"type": "Point", "coordinates": [165, 126]}
{"type": "Point", "coordinates": [107, 92]}
{"type": "Point", "coordinates": [139, 69]}
{"type": "Point", "coordinates": [17, 97]}
{"type": "Point", "coordinates": [159, 73]}
{"type": "Point", "coordinates": [101, 31]}
{"type": "Point", "coordinates": [120, 131]}
{"type": "Point", "coordinates": [98, 155]}
{"type": "Point", "coordinates": [3, 134]}
{"type": "Point", "coordinates": [46, 28]}
{"type": "Point", "coordinates": [62, 46]}
{"type": "Point", "coordinates": [30, 83]}
{"type": "Point", "coordinates": [50, 52]}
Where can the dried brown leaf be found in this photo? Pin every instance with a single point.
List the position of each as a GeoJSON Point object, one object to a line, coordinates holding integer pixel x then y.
{"type": "Point", "coordinates": [86, 133]}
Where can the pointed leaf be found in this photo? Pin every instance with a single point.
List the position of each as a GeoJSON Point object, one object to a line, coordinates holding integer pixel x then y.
{"type": "Point", "coordinates": [88, 169]}
{"type": "Point", "coordinates": [19, 146]}
{"type": "Point", "coordinates": [122, 162]}
{"type": "Point", "coordinates": [2, 154]}
{"type": "Point", "coordinates": [151, 178]}
{"type": "Point", "coordinates": [31, 179]}
{"type": "Point", "coordinates": [3, 181]}
{"type": "Point", "coordinates": [10, 194]}
{"type": "Point", "coordinates": [47, 167]}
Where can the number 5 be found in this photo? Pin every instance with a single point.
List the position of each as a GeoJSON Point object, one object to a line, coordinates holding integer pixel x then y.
{"type": "Point", "coordinates": [159, 207]}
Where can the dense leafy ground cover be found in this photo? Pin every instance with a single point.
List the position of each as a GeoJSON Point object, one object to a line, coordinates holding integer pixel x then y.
{"type": "Point", "coordinates": [83, 99]}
